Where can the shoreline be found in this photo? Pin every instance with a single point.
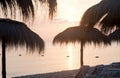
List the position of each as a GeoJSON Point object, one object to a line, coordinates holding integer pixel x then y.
{"type": "Point", "coordinates": [58, 74]}
{"type": "Point", "coordinates": [98, 71]}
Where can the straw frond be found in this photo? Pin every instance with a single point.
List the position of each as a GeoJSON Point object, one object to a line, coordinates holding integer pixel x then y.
{"type": "Point", "coordinates": [18, 34]}
{"type": "Point", "coordinates": [81, 34]}
{"type": "Point", "coordinates": [88, 15]}
{"type": "Point", "coordinates": [26, 7]}
{"type": "Point", "coordinates": [52, 8]}
{"type": "Point", "coordinates": [106, 14]}
{"type": "Point", "coordinates": [115, 36]}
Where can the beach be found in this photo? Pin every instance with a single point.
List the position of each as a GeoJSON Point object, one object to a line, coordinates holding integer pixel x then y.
{"type": "Point", "coordinates": [99, 71]}
{"type": "Point", "coordinates": [59, 74]}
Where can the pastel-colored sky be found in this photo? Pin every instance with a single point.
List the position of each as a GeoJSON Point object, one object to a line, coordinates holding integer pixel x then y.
{"type": "Point", "coordinates": [72, 10]}
{"type": "Point", "coordinates": [68, 14]}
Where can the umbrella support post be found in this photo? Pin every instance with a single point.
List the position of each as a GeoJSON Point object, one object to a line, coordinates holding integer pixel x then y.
{"type": "Point", "coordinates": [81, 56]}
{"type": "Point", "coordinates": [3, 59]}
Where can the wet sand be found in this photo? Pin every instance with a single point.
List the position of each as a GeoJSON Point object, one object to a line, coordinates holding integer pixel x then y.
{"type": "Point", "coordinates": [60, 74]}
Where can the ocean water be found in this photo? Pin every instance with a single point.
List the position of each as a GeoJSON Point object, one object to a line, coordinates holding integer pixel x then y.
{"type": "Point", "coordinates": [58, 58]}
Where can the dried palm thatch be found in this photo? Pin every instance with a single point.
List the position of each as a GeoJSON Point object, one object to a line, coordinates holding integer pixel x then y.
{"type": "Point", "coordinates": [83, 35]}
{"type": "Point", "coordinates": [18, 34]}
{"type": "Point", "coordinates": [88, 15]}
{"type": "Point", "coordinates": [14, 34]}
{"type": "Point", "coordinates": [106, 14]}
{"type": "Point", "coordinates": [115, 36]}
{"type": "Point", "coordinates": [26, 6]}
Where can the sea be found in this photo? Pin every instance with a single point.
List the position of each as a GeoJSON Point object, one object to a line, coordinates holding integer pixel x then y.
{"type": "Point", "coordinates": [19, 62]}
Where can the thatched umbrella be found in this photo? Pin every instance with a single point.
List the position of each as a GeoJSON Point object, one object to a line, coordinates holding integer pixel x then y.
{"type": "Point", "coordinates": [82, 35]}
{"type": "Point", "coordinates": [106, 14]}
{"type": "Point", "coordinates": [14, 34]}
{"type": "Point", "coordinates": [26, 6]}
{"type": "Point", "coordinates": [115, 36]}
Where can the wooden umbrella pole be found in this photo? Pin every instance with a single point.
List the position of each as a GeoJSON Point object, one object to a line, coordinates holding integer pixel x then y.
{"type": "Point", "coordinates": [81, 56]}
{"type": "Point", "coordinates": [3, 59]}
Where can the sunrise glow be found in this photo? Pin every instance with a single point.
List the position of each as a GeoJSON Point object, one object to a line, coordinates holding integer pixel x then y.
{"type": "Point", "coordinates": [72, 10]}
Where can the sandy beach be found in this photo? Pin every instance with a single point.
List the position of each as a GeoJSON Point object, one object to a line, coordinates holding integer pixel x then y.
{"type": "Point", "coordinates": [60, 74]}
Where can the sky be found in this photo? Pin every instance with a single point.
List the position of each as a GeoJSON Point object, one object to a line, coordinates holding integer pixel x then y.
{"type": "Point", "coordinates": [72, 10]}
{"type": "Point", "coordinates": [69, 13]}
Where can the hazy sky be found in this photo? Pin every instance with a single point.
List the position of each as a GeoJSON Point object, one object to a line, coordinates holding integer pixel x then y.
{"type": "Point", "coordinates": [69, 13]}
{"type": "Point", "coordinates": [72, 10]}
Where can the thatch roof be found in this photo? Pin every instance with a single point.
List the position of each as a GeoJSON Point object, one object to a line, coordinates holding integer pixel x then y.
{"type": "Point", "coordinates": [89, 18]}
{"type": "Point", "coordinates": [18, 34]}
{"type": "Point", "coordinates": [81, 34]}
{"type": "Point", "coordinates": [106, 14]}
{"type": "Point", "coordinates": [26, 6]}
{"type": "Point", "coordinates": [115, 36]}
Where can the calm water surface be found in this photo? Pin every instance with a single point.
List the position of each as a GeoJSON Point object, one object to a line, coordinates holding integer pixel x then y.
{"type": "Point", "coordinates": [58, 58]}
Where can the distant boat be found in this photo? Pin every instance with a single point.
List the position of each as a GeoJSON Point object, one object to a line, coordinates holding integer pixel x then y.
{"type": "Point", "coordinates": [67, 56]}
{"type": "Point", "coordinates": [42, 55]}
{"type": "Point", "coordinates": [96, 56]}
{"type": "Point", "coordinates": [20, 54]}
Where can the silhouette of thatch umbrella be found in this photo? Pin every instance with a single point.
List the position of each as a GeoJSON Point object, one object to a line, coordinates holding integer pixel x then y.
{"type": "Point", "coordinates": [26, 7]}
{"type": "Point", "coordinates": [14, 34]}
{"type": "Point", "coordinates": [82, 35]}
{"type": "Point", "coordinates": [106, 14]}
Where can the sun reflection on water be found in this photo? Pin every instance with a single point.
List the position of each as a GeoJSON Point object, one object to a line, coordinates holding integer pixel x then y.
{"type": "Point", "coordinates": [70, 55]}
